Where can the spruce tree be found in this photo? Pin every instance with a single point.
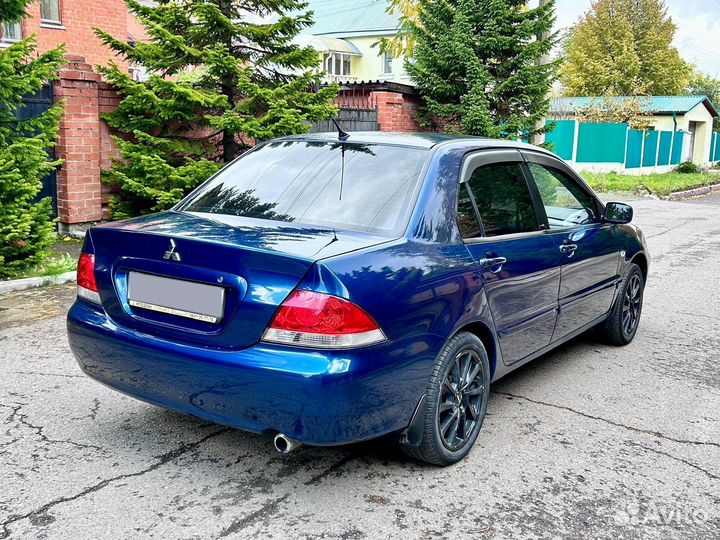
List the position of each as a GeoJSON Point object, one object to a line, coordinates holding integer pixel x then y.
{"type": "Point", "coordinates": [26, 226]}
{"type": "Point", "coordinates": [624, 48]}
{"type": "Point", "coordinates": [477, 64]}
{"type": "Point", "coordinates": [219, 82]}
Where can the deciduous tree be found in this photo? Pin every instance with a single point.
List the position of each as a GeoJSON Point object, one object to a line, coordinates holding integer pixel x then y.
{"type": "Point", "coordinates": [624, 47]}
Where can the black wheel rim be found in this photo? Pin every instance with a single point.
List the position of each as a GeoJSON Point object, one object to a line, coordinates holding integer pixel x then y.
{"type": "Point", "coordinates": [632, 304]}
{"type": "Point", "coordinates": [461, 400]}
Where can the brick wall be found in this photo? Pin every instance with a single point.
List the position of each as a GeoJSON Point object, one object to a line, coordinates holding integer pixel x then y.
{"type": "Point", "coordinates": [80, 144]}
{"type": "Point", "coordinates": [396, 111]}
{"type": "Point", "coordinates": [108, 101]}
{"type": "Point", "coordinates": [78, 18]}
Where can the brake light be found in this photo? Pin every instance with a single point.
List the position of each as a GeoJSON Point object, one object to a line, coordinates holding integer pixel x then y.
{"type": "Point", "coordinates": [86, 285]}
{"type": "Point", "coordinates": [320, 320]}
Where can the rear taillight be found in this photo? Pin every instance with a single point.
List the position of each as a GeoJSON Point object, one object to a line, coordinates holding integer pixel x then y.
{"type": "Point", "coordinates": [313, 319]}
{"type": "Point", "coordinates": [86, 284]}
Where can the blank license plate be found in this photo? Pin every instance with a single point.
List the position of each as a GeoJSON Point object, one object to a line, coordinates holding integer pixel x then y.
{"type": "Point", "coordinates": [176, 297]}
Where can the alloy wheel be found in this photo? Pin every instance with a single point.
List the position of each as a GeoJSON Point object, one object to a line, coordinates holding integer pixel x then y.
{"type": "Point", "coordinates": [632, 304]}
{"type": "Point", "coordinates": [461, 400]}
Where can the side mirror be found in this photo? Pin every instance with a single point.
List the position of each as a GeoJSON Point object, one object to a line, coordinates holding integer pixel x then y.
{"type": "Point", "coordinates": [616, 212]}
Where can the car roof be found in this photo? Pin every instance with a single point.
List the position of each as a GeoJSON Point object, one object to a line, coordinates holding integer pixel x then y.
{"type": "Point", "coordinates": [417, 139]}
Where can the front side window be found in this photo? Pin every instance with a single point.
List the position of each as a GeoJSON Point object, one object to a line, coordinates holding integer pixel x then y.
{"type": "Point", "coordinates": [503, 199]}
{"type": "Point", "coordinates": [566, 204]}
{"type": "Point", "coordinates": [50, 10]}
{"type": "Point", "coordinates": [362, 187]}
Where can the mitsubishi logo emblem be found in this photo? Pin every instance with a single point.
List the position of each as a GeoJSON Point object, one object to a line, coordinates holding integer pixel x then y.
{"type": "Point", "coordinates": [171, 254]}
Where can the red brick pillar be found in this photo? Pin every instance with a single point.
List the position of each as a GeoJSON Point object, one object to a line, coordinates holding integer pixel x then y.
{"type": "Point", "coordinates": [78, 180]}
{"type": "Point", "coordinates": [109, 101]}
{"type": "Point", "coordinates": [396, 112]}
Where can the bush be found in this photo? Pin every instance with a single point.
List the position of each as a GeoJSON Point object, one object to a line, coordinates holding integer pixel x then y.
{"type": "Point", "coordinates": [26, 225]}
{"type": "Point", "coordinates": [687, 167]}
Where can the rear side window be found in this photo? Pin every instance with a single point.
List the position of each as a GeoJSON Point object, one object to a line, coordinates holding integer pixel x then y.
{"type": "Point", "coordinates": [503, 199]}
{"type": "Point", "coordinates": [467, 217]}
{"type": "Point", "coordinates": [361, 187]}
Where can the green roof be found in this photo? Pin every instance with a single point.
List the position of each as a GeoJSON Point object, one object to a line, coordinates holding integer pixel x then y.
{"type": "Point", "coordinates": [653, 104]}
{"type": "Point", "coordinates": [341, 18]}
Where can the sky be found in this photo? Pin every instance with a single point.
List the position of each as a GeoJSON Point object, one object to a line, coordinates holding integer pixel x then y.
{"type": "Point", "coordinates": [698, 28]}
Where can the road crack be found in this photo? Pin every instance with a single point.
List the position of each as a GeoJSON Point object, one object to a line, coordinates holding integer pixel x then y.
{"type": "Point", "coordinates": [270, 507]}
{"type": "Point", "coordinates": [163, 459]}
{"type": "Point", "coordinates": [22, 419]}
{"type": "Point", "coordinates": [681, 460]}
{"type": "Point", "coordinates": [332, 468]}
{"type": "Point", "coordinates": [611, 422]}
{"type": "Point", "coordinates": [40, 373]}
{"type": "Point", "coordinates": [681, 224]}
{"type": "Point", "coordinates": [267, 509]}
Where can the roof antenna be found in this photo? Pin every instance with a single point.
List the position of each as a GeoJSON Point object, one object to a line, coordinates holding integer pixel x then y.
{"type": "Point", "coordinates": [342, 135]}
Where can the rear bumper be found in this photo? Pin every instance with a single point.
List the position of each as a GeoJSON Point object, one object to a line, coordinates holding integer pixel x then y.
{"type": "Point", "coordinates": [316, 397]}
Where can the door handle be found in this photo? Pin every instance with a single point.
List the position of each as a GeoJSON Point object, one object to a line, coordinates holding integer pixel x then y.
{"type": "Point", "coordinates": [568, 249]}
{"type": "Point", "coordinates": [494, 264]}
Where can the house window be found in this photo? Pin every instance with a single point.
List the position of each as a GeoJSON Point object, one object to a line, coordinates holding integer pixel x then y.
{"type": "Point", "coordinates": [50, 11]}
{"type": "Point", "coordinates": [336, 64]}
{"type": "Point", "coordinates": [10, 32]}
{"type": "Point", "coordinates": [387, 61]}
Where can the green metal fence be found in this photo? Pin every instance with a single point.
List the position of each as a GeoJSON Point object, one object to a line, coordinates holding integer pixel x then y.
{"type": "Point", "coordinates": [714, 147]}
{"type": "Point", "coordinates": [617, 143]}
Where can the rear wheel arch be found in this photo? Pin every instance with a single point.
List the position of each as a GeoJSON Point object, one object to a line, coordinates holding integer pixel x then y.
{"type": "Point", "coordinates": [486, 335]}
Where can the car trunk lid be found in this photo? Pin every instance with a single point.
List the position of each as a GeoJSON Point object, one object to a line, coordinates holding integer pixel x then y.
{"type": "Point", "coordinates": [248, 265]}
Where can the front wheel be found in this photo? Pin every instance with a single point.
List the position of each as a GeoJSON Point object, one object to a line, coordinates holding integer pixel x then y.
{"type": "Point", "coordinates": [623, 321]}
{"type": "Point", "coordinates": [457, 397]}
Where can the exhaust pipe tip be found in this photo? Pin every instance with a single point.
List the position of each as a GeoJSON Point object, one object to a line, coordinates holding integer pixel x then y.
{"type": "Point", "coordinates": [284, 444]}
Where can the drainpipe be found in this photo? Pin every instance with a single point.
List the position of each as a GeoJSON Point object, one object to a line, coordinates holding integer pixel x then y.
{"type": "Point", "coordinates": [672, 142]}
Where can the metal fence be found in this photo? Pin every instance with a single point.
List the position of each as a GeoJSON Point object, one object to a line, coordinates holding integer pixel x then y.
{"type": "Point", "coordinates": [618, 144]}
{"type": "Point", "coordinates": [358, 112]}
{"type": "Point", "coordinates": [34, 107]}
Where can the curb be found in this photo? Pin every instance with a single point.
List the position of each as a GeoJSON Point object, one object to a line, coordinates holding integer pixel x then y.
{"type": "Point", "coordinates": [680, 195]}
{"type": "Point", "coordinates": [15, 285]}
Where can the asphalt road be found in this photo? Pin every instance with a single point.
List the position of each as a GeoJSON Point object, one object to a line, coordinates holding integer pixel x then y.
{"type": "Point", "coordinates": [589, 441]}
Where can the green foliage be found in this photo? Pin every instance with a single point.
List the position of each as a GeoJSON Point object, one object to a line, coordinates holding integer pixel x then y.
{"type": "Point", "coordinates": [702, 84]}
{"type": "Point", "coordinates": [477, 64]}
{"type": "Point", "coordinates": [687, 167]}
{"type": "Point", "coordinates": [624, 48]}
{"type": "Point", "coordinates": [618, 110]}
{"type": "Point", "coordinates": [402, 43]}
{"type": "Point", "coordinates": [13, 10]}
{"type": "Point", "coordinates": [219, 83]}
{"type": "Point", "coordinates": [658, 184]}
{"type": "Point", "coordinates": [26, 227]}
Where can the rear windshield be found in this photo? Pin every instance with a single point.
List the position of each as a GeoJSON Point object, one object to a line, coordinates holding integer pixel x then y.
{"type": "Point", "coordinates": [362, 187]}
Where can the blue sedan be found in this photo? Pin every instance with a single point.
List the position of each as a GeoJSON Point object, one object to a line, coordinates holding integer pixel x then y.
{"type": "Point", "coordinates": [327, 290]}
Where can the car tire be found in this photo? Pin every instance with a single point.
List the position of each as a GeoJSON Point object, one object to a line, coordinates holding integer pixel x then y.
{"type": "Point", "coordinates": [622, 323]}
{"type": "Point", "coordinates": [457, 397]}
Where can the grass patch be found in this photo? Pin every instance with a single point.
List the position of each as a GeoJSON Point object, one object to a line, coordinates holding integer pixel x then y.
{"type": "Point", "coordinates": [657, 184]}
{"type": "Point", "coordinates": [61, 257]}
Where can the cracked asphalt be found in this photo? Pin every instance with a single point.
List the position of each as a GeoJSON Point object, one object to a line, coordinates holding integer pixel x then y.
{"type": "Point", "coordinates": [589, 441]}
